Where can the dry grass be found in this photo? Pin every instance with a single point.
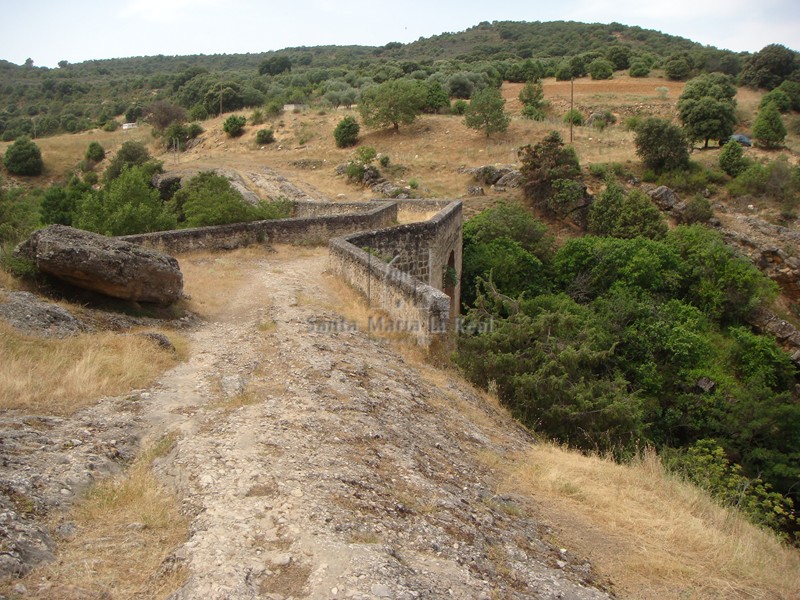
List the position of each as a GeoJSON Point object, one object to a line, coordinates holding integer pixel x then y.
{"type": "Point", "coordinates": [60, 376]}
{"type": "Point", "coordinates": [651, 534]}
{"type": "Point", "coordinates": [124, 529]}
{"type": "Point", "coordinates": [62, 153]}
{"type": "Point", "coordinates": [208, 275]}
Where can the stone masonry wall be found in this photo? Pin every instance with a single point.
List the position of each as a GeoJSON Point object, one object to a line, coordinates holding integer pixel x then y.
{"type": "Point", "coordinates": [402, 269]}
{"type": "Point", "coordinates": [312, 229]}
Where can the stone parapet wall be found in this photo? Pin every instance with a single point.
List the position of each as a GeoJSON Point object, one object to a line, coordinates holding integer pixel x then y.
{"type": "Point", "coordinates": [311, 229]}
{"type": "Point", "coordinates": [401, 270]}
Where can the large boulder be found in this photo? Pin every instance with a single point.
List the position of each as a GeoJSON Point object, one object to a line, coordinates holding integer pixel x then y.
{"type": "Point", "coordinates": [106, 265]}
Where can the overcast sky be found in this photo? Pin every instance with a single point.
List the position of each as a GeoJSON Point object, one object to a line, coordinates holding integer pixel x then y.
{"type": "Point", "coordinates": [77, 30]}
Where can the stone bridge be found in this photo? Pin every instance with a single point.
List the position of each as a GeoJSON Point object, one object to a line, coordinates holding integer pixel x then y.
{"type": "Point", "coordinates": [410, 273]}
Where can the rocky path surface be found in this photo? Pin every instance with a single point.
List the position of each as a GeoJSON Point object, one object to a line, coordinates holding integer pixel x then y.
{"type": "Point", "coordinates": [317, 463]}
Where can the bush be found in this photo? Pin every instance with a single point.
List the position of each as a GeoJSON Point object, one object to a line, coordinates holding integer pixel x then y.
{"type": "Point", "coordinates": [534, 113]}
{"type": "Point", "coordinates": [234, 125]}
{"type": "Point", "coordinates": [23, 157]}
{"type": "Point", "coordinates": [130, 154]}
{"type": "Point", "coordinates": [384, 160]}
{"type": "Point", "coordinates": [639, 68]}
{"type": "Point", "coordinates": [661, 145]}
{"type": "Point", "coordinates": [574, 116]}
{"type": "Point", "coordinates": [265, 136]}
{"type": "Point", "coordinates": [194, 130]}
{"type": "Point", "coordinates": [768, 130]}
{"type": "Point", "coordinates": [459, 107]}
{"type": "Point", "coordinates": [621, 215]}
{"type": "Point", "coordinates": [128, 205]}
{"type": "Point", "coordinates": [698, 210]}
{"type": "Point", "coordinates": [95, 152]}
{"type": "Point", "coordinates": [779, 98]}
{"type": "Point", "coordinates": [111, 125]}
{"type": "Point", "coordinates": [346, 132]}
{"type": "Point", "coordinates": [198, 112]}
{"type": "Point", "coordinates": [544, 164]}
{"type": "Point", "coordinates": [731, 159]}
{"type": "Point", "coordinates": [601, 69]}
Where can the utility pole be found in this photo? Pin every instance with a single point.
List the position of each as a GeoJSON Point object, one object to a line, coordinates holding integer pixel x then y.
{"type": "Point", "coordinates": [571, 104]}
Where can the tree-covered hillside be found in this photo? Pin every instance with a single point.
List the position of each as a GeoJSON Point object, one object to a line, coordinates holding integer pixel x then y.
{"type": "Point", "coordinates": [38, 101]}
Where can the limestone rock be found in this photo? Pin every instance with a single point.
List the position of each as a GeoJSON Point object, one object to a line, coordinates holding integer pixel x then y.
{"type": "Point", "coordinates": [105, 265]}
{"type": "Point", "coordinates": [29, 314]}
{"type": "Point", "coordinates": [664, 197]}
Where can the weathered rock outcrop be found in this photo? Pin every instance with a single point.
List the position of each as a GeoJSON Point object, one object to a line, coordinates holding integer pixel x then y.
{"type": "Point", "coordinates": [105, 265]}
{"type": "Point", "coordinates": [34, 316]}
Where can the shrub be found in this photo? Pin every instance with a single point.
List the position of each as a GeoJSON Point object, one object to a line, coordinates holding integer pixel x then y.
{"type": "Point", "coordinates": [194, 130]}
{"type": "Point", "coordinates": [384, 160]}
{"type": "Point", "coordinates": [198, 112]}
{"type": "Point", "coordinates": [661, 145]}
{"type": "Point", "coordinates": [265, 136]}
{"type": "Point", "coordinates": [639, 68]}
{"type": "Point", "coordinates": [366, 154]}
{"type": "Point", "coordinates": [544, 164]}
{"type": "Point", "coordinates": [698, 210]}
{"type": "Point", "coordinates": [234, 125]}
{"type": "Point", "coordinates": [95, 152]}
{"type": "Point", "coordinates": [623, 215]}
{"type": "Point", "coordinates": [23, 157]}
{"type": "Point", "coordinates": [346, 132]}
{"type": "Point", "coordinates": [130, 154]}
{"type": "Point", "coordinates": [601, 69]}
{"type": "Point", "coordinates": [534, 113]}
{"type": "Point", "coordinates": [257, 117]}
{"type": "Point", "coordinates": [111, 125]}
{"type": "Point", "coordinates": [355, 171]}
{"type": "Point", "coordinates": [768, 130]}
{"type": "Point", "coordinates": [779, 98]}
{"type": "Point", "coordinates": [128, 205]}
{"type": "Point", "coordinates": [732, 160]}
{"type": "Point", "coordinates": [574, 116]}
{"type": "Point", "coordinates": [460, 107]}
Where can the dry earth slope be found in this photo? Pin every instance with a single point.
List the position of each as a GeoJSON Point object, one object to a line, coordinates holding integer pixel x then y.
{"type": "Point", "coordinates": [318, 463]}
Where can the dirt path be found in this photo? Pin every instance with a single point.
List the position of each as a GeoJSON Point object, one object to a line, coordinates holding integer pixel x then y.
{"type": "Point", "coordinates": [320, 464]}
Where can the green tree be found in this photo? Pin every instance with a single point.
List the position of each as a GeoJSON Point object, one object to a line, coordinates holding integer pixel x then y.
{"type": "Point", "coordinates": [623, 215]}
{"type": "Point", "coordinates": [768, 67]}
{"type": "Point", "coordinates": [18, 216]}
{"type": "Point", "coordinates": [275, 65]}
{"type": "Point", "coordinates": [161, 114]}
{"type": "Point", "coordinates": [394, 102]}
{"type": "Point", "coordinates": [768, 130]}
{"type": "Point", "coordinates": [486, 112]}
{"type": "Point", "coordinates": [601, 69]}
{"type": "Point", "coordinates": [234, 125]}
{"type": "Point", "coordinates": [95, 152]}
{"type": "Point", "coordinates": [544, 164]}
{"type": "Point", "coordinates": [210, 199]}
{"type": "Point", "coordinates": [129, 154]}
{"type": "Point", "coordinates": [619, 56]}
{"type": "Point", "coordinates": [661, 145]}
{"type": "Point", "coordinates": [128, 205]}
{"type": "Point", "coordinates": [23, 157]}
{"type": "Point", "coordinates": [547, 358]}
{"type": "Point", "coordinates": [731, 159]}
{"type": "Point", "coordinates": [436, 99]}
{"type": "Point", "coordinates": [533, 103]}
{"type": "Point", "coordinates": [639, 68]}
{"type": "Point", "coordinates": [677, 68]}
{"type": "Point", "coordinates": [707, 107]}
{"type": "Point", "coordinates": [346, 132]}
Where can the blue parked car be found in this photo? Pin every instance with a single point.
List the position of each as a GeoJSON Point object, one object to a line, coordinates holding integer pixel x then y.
{"type": "Point", "coordinates": [738, 137]}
